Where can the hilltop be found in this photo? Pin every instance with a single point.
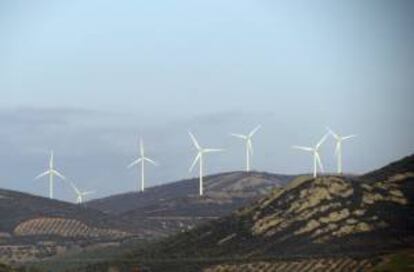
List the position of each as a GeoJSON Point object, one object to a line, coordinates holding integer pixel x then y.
{"type": "Point", "coordinates": [234, 185]}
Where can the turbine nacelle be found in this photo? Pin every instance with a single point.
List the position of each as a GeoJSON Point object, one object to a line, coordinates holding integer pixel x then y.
{"type": "Point", "coordinates": [339, 138]}
{"type": "Point", "coordinates": [199, 158]}
{"type": "Point", "coordinates": [141, 160]}
{"type": "Point", "coordinates": [80, 194]}
{"type": "Point", "coordinates": [249, 143]}
{"type": "Point", "coordinates": [338, 147]}
{"type": "Point", "coordinates": [51, 172]}
{"type": "Point", "coordinates": [316, 156]}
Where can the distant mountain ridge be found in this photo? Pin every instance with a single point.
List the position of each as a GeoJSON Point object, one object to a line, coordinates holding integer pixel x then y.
{"type": "Point", "coordinates": [233, 184]}
{"type": "Point", "coordinates": [177, 206]}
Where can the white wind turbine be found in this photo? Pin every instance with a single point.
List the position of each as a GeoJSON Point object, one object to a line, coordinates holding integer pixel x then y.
{"type": "Point", "coordinates": [199, 158]}
{"type": "Point", "coordinates": [51, 172]}
{"type": "Point", "coordinates": [142, 159]}
{"type": "Point", "coordinates": [338, 149]}
{"type": "Point", "coordinates": [316, 157]}
{"type": "Point", "coordinates": [80, 195]}
{"type": "Point", "coordinates": [249, 145]}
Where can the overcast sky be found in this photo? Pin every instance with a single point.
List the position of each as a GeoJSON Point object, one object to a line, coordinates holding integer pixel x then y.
{"type": "Point", "coordinates": [86, 78]}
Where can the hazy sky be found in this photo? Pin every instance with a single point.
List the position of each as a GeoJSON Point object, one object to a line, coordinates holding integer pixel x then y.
{"type": "Point", "coordinates": [87, 77]}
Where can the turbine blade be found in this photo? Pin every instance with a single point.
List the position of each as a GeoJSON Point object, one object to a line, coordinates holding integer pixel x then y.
{"type": "Point", "coordinates": [195, 161]}
{"type": "Point", "coordinates": [88, 193]}
{"type": "Point", "coordinates": [336, 136]}
{"type": "Point", "coordinates": [253, 132]}
{"type": "Point", "coordinates": [321, 141]}
{"type": "Point", "coordinates": [349, 137]}
{"type": "Point", "coordinates": [42, 174]}
{"type": "Point", "coordinates": [58, 174]}
{"type": "Point", "coordinates": [304, 148]}
{"type": "Point", "coordinates": [150, 161]}
{"type": "Point", "coordinates": [141, 147]}
{"type": "Point", "coordinates": [241, 136]}
{"type": "Point", "coordinates": [51, 159]}
{"type": "Point", "coordinates": [134, 163]}
{"type": "Point", "coordinates": [194, 140]}
{"type": "Point", "coordinates": [75, 188]}
{"type": "Point", "coordinates": [318, 159]}
{"type": "Point", "coordinates": [208, 150]}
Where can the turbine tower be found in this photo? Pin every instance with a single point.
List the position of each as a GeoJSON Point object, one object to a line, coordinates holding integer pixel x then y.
{"type": "Point", "coordinates": [199, 158]}
{"type": "Point", "coordinates": [142, 159]}
{"type": "Point", "coordinates": [51, 172]}
{"type": "Point", "coordinates": [80, 194]}
{"type": "Point", "coordinates": [338, 148]}
{"type": "Point", "coordinates": [315, 151]}
{"type": "Point", "coordinates": [249, 145]}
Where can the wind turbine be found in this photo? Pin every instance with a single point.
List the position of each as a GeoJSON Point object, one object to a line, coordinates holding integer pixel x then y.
{"type": "Point", "coordinates": [80, 194]}
{"type": "Point", "coordinates": [142, 159]}
{"type": "Point", "coordinates": [315, 151]}
{"type": "Point", "coordinates": [51, 172]}
{"type": "Point", "coordinates": [199, 158]}
{"type": "Point", "coordinates": [338, 149]}
{"type": "Point", "coordinates": [249, 145]}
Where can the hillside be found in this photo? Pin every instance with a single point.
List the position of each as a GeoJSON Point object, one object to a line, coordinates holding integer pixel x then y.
{"type": "Point", "coordinates": [31, 223]}
{"type": "Point", "coordinates": [36, 227]}
{"type": "Point", "coordinates": [17, 208]}
{"type": "Point", "coordinates": [326, 217]}
{"type": "Point", "coordinates": [176, 206]}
